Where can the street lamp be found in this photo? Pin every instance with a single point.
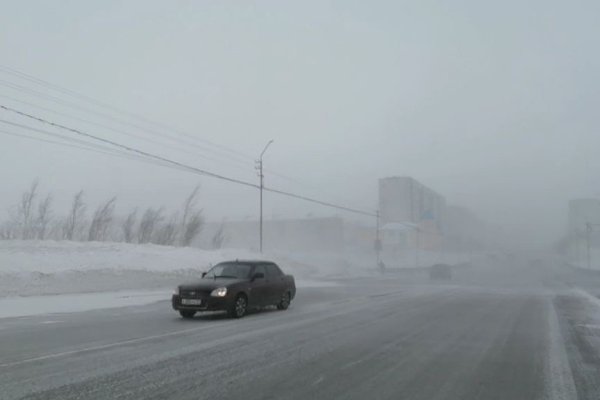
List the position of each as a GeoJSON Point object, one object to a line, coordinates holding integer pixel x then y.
{"type": "Point", "coordinates": [262, 185]}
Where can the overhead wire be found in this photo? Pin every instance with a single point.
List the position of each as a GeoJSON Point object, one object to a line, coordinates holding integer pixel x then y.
{"type": "Point", "coordinates": [83, 147]}
{"type": "Point", "coordinates": [238, 164]}
{"type": "Point", "coordinates": [72, 93]}
{"type": "Point", "coordinates": [125, 147]}
{"type": "Point", "coordinates": [68, 141]}
{"type": "Point", "coordinates": [128, 114]}
{"type": "Point", "coordinates": [182, 165]}
{"type": "Point", "coordinates": [162, 135]}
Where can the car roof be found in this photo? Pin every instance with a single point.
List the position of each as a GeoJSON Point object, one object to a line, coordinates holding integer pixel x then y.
{"type": "Point", "coordinates": [248, 261]}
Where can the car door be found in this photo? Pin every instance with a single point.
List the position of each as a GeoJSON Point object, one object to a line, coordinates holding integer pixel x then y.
{"type": "Point", "coordinates": [276, 283]}
{"type": "Point", "coordinates": [260, 287]}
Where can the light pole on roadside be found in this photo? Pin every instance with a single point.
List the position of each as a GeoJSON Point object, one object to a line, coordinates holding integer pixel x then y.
{"type": "Point", "coordinates": [259, 167]}
{"type": "Point", "coordinates": [378, 246]}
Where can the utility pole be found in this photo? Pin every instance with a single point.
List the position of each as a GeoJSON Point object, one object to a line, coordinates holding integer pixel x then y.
{"type": "Point", "coordinates": [377, 239]}
{"type": "Point", "coordinates": [417, 245]}
{"type": "Point", "coordinates": [588, 234]}
{"type": "Point", "coordinates": [259, 167]}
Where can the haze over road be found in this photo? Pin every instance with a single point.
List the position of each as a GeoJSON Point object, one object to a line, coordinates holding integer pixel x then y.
{"type": "Point", "coordinates": [497, 333]}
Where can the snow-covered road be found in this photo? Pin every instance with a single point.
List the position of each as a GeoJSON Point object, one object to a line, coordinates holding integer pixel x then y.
{"type": "Point", "coordinates": [21, 306]}
{"type": "Point", "coordinates": [373, 338]}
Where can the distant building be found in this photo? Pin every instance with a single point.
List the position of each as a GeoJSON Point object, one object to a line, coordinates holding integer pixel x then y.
{"type": "Point", "coordinates": [405, 200]}
{"type": "Point", "coordinates": [412, 216]}
{"type": "Point", "coordinates": [396, 235]}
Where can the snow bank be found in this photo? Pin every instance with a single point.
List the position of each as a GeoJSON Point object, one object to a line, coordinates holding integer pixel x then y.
{"type": "Point", "coordinates": [78, 302]}
{"type": "Point", "coordinates": [48, 257]}
{"type": "Point", "coordinates": [29, 268]}
{"type": "Point", "coordinates": [67, 303]}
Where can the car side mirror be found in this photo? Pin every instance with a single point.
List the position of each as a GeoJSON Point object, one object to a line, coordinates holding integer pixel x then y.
{"type": "Point", "coordinates": [258, 275]}
{"type": "Point", "coordinates": [203, 274]}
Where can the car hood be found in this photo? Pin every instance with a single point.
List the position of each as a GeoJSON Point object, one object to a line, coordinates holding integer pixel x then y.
{"type": "Point", "coordinates": [210, 284]}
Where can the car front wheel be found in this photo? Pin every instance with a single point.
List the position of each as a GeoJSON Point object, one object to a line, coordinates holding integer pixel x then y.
{"type": "Point", "coordinates": [285, 301]}
{"type": "Point", "coordinates": [239, 307]}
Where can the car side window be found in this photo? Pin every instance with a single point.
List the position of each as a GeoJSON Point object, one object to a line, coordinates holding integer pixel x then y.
{"type": "Point", "coordinates": [273, 271]}
{"type": "Point", "coordinates": [260, 269]}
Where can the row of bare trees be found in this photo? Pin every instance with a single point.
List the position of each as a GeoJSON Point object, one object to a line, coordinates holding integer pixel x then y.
{"type": "Point", "coordinates": [33, 218]}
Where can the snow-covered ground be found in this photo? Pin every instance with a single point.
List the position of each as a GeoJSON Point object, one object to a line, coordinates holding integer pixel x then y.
{"type": "Point", "coordinates": [37, 268]}
{"type": "Point", "coordinates": [21, 256]}
{"type": "Point", "coordinates": [31, 268]}
{"type": "Point", "coordinates": [67, 303]}
{"type": "Point", "coordinates": [21, 306]}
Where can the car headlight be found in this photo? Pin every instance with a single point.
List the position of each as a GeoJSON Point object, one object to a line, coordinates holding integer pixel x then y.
{"type": "Point", "coordinates": [219, 292]}
{"type": "Point", "coordinates": [176, 291]}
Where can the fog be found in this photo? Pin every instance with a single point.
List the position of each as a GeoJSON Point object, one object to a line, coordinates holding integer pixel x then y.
{"type": "Point", "coordinates": [493, 105]}
{"type": "Point", "coordinates": [431, 219]}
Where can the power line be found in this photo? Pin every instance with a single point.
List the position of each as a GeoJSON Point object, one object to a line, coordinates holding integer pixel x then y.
{"type": "Point", "coordinates": [181, 165]}
{"type": "Point", "coordinates": [94, 147]}
{"type": "Point", "coordinates": [53, 134]}
{"type": "Point", "coordinates": [86, 148]}
{"type": "Point", "coordinates": [109, 151]}
{"type": "Point", "coordinates": [128, 148]}
{"type": "Point", "coordinates": [79, 96]}
{"type": "Point", "coordinates": [162, 135]}
{"type": "Point", "coordinates": [323, 203]}
{"type": "Point", "coordinates": [238, 164]}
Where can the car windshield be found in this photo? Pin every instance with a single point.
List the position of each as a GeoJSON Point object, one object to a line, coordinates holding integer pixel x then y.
{"type": "Point", "coordinates": [229, 270]}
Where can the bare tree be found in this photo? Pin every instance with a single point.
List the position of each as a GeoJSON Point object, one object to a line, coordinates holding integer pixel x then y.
{"type": "Point", "coordinates": [150, 219]}
{"type": "Point", "coordinates": [192, 220]}
{"type": "Point", "coordinates": [56, 229]}
{"type": "Point", "coordinates": [167, 233]}
{"type": "Point", "coordinates": [218, 238]}
{"type": "Point", "coordinates": [9, 230]}
{"type": "Point", "coordinates": [25, 211]}
{"type": "Point", "coordinates": [189, 205]}
{"type": "Point", "coordinates": [128, 226]}
{"type": "Point", "coordinates": [192, 228]}
{"type": "Point", "coordinates": [103, 216]}
{"type": "Point", "coordinates": [75, 215]}
{"type": "Point", "coordinates": [43, 217]}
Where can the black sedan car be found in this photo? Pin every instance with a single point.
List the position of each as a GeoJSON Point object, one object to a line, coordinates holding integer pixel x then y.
{"type": "Point", "coordinates": [236, 286]}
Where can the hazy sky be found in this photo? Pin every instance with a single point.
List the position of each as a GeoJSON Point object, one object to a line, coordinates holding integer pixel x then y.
{"type": "Point", "coordinates": [492, 104]}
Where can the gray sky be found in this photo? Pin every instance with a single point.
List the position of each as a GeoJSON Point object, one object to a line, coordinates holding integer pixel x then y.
{"type": "Point", "coordinates": [492, 104]}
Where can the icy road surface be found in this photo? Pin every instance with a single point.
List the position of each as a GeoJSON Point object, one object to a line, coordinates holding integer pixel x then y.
{"type": "Point", "coordinates": [67, 303]}
{"type": "Point", "coordinates": [517, 334]}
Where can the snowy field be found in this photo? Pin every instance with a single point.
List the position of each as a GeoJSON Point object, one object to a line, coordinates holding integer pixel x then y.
{"type": "Point", "coordinates": [50, 276]}
{"type": "Point", "coordinates": [33, 268]}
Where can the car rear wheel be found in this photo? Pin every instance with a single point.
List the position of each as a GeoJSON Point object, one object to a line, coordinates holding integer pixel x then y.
{"type": "Point", "coordinates": [285, 301]}
{"type": "Point", "coordinates": [187, 313]}
{"type": "Point", "coordinates": [239, 307]}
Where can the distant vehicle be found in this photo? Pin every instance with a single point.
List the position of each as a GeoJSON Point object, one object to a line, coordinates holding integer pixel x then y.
{"type": "Point", "coordinates": [235, 287]}
{"type": "Point", "coordinates": [440, 272]}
